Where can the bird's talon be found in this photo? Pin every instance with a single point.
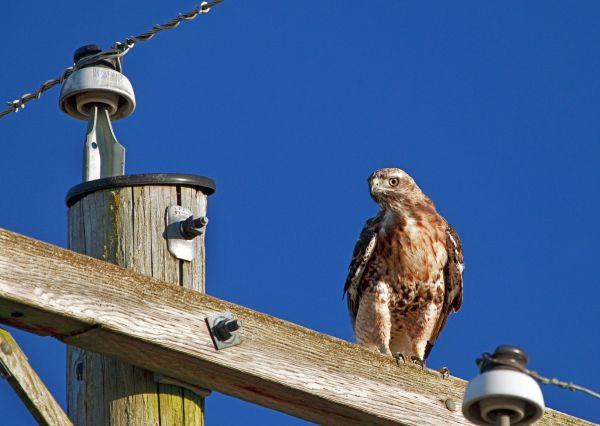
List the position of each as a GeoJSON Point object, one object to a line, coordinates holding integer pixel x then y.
{"type": "Point", "coordinates": [445, 372]}
{"type": "Point", "coordinates": [418, 361]}
{"type": "Point", "coordinates": [399, 356]}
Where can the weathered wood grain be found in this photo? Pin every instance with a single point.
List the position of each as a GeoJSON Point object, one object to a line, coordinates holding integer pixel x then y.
{"type": "Point", "coordinates": [140, 320]}
{"type": "Point", "coordinates": [27, 384]}
{"type": "Point", "coordinates": [126, 226]}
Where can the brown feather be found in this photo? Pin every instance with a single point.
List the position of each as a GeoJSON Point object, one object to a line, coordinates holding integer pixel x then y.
{"type": "Point", "coordinates": [453, 284]}
{"type": "Point", "coordinates": [363, 250]}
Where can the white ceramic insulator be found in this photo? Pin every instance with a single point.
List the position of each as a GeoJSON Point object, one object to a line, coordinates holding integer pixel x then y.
{"type": "Point", "coordinates": [97, 85]}
{"type": "Point", "coordinates": [84, 101]}
{"type": "Point", "coordinates": [498, 390]}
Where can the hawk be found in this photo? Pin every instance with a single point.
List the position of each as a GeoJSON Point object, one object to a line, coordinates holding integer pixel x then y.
{"type": "Point", "coordinates": [406, 273]}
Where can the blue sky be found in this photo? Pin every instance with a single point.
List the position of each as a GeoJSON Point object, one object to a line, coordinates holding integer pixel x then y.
{"type": "Point", "coordinates": [493, 108]}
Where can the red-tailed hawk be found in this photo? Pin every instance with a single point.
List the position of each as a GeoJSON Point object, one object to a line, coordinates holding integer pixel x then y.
{"type": "Point", "coordinates": [406, 273]}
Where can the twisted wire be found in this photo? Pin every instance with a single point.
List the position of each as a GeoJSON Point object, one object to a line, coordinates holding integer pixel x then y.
{"type": "Point", "coordinates": [543, 380]}
{"type": "Point", "coordinates": [118, 50]}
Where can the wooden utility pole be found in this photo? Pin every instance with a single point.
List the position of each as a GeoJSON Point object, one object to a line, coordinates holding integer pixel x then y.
{"type": "Point", "coordinates": [121, 220]}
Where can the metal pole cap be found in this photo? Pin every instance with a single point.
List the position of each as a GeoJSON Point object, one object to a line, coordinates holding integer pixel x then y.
{"type": "Point", "coordinates": [96, 83]}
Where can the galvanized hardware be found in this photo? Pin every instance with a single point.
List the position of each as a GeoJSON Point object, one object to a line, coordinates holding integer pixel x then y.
{"type": "Point", "coordinates": [181, 229]}
{"type": "Point", "coordinates": [192, 228]}
{"type": "Point", "coordinates": [451, 404]}
{"type": "Point", "coordinates": [178, 245]}
{"type": "Point", "coordinates": [6, 349]}
{"type": "Point", "coordinates": [99, 93]}
{"type": "Point", "coordinates": [223, 330]}
{"type": "Point", "coordinates": [166, 380]}
{"type": "Point", "coordinates": [103, 155]}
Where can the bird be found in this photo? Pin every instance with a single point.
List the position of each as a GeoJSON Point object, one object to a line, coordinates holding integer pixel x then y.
{"type": "Point", "coordinates": [406, 272]}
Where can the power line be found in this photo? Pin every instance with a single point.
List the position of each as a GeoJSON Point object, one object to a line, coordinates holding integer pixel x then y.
{"type": "Point", "coordinates": [118, 50]}
{"type": "Point", "coordinates": [543, 380]}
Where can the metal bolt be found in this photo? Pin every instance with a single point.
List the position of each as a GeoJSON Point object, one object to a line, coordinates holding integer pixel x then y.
{"type": "Point", "coordinates": [191, 228]}
{"type": "Point", "coordinates": [223, 329]}
{"type": "Point", "coordinates": [6, 349]}
{"type": "Point", "coordinates": [79, 371]}
{"type": "Point", "coordinates": [451, 404]}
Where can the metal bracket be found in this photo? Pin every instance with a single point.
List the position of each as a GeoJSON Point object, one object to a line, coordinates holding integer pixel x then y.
{"type": "Point", "coordinates": [181, 230]}
{"type": "Point", "coordinates": [103, 156]}
{"type": "Point", "coordinates": [223, 330]}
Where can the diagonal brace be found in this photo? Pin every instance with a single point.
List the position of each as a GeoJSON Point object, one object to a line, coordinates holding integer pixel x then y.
{"type": "Point", "coordinates": [27, 384]}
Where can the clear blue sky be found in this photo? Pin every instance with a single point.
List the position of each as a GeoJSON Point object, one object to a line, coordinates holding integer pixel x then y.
{"type": "Point", "coordinates": [493, 107]}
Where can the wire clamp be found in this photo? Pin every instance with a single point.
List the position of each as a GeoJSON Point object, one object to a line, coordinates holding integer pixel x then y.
{"type": "Point", "coordinates": [204, 8]}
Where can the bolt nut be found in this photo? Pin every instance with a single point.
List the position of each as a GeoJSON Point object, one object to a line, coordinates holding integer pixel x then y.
{"type": "Point", "coordinates": [223, 329]}
{"type": "Point", "coordinates": [192, 228]}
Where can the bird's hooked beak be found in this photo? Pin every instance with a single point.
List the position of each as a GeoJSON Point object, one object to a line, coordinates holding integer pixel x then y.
{"type": "Point", "coordinates": [374, 183]}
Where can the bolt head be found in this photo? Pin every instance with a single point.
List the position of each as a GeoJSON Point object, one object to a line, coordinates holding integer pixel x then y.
{"type": "Point", "coordinates": [6, 349]}
{"type": "Point", "coordinates": [224, 328]}
{"type": "Point", "coordinates": [218, 329]}
{"type": "Point", "coordinates": [233, 325]}
{"type": "Point", "coordinates": [221, 330]}
{"type": "Point", "coordinates": [451, 404]}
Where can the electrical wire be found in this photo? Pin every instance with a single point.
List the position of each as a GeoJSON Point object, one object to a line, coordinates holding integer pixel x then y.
{"type": "Point", "coordinates": [543, 380]}
{"type": "Point", "coordinates": [118, 50]}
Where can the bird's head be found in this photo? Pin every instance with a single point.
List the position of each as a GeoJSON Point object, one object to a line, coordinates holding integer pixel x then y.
{"type": "Point", "coordinates": [392, 186]}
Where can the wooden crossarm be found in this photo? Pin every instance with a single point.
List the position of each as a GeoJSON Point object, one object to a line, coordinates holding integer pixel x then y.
{"type": "Point", "coordinates": [101, 307]}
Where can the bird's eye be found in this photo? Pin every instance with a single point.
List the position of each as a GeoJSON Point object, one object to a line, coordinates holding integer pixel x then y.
{"type": "Point", "coordinates": [394, 181]}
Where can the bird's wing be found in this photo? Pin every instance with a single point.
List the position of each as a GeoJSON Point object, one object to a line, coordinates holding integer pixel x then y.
{"type": "Point", "coordinates": [453, 283]}
{"type": "Point", "coordinates": [363, 250]}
